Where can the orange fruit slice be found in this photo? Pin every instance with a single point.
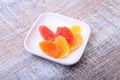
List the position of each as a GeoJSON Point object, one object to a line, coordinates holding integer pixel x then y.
{"type": "Point", "coordinates": [62, 42]}
{"type": "Point", "coordinates": [50, 48]}
{"type": "Point", "coordinates": [76, 29]}
{"type": "Point", "coordinates": [77, 42]}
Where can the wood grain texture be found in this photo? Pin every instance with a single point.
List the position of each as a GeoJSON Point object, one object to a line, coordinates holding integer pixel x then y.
{"type": "Point", "coordinates": [101, 59]}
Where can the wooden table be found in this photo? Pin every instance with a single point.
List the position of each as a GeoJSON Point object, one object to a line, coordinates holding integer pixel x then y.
{"type": "Point", "coordinates": [101, 59]}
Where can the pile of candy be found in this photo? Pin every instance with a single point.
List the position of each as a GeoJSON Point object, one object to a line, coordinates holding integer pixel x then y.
{"type": "Point", "coordinates": [62, 42]}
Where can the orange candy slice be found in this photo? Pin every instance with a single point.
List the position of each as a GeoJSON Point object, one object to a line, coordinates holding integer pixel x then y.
{"type": "Point", "coordinates": [62, 42]}
{"type": "Point", "coordinates": [50, 48]}
{"type": "Point", "coordinates": [75, 29]}
{"type": "Point", "coordinates": [78, 40]}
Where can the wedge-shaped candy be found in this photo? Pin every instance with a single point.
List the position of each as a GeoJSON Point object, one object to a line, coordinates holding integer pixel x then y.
{"type": "Point", "coordinates": [62, 42]}
{"type": "Point", "coordinates": [46, 33]}
{"type": "Point", "coordinates": [78, 39]}
{"type": "Point", "coordinates": [50, 48]}
{"type": "Point", "coordinates": [76, 29]}
{"type": "Point", "coordinates": [77, 42]}
{"type": "Point", "coordinates": [66, 33]}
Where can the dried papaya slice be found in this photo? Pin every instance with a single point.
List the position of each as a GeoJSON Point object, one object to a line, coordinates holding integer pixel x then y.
{"type": "Point", "coordinates": [76, 29]}
{"type": "Point", "coordinates": [66, 33]}
{"type": "Point", "coordinates": [77, 42]}
{"type": "Point", "coordinates": [46, 33]}
{"type": "Point", "coordinates": [78, 39]}
{"type": "Point", "coordinates": [65, 48]}
{"type": "Point", "coordinates": [50, 48]}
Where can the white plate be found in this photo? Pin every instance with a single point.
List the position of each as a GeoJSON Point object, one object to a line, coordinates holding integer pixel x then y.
{"type": "Point", "coordinates": [52, 21]}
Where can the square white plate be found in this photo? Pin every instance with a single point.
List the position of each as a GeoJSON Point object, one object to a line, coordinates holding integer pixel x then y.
{"type": "Point", "coordinates": [52, 21]}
